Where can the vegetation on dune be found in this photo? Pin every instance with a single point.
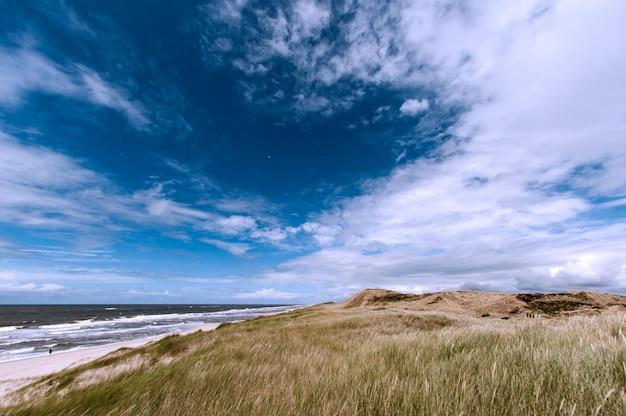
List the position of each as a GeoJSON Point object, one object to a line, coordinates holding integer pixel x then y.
{"type": "Point", "coordinates": [331, 360]}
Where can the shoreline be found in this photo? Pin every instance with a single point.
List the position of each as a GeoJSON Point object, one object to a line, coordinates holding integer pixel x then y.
{"type": "Point", "coordinates": [18, 373]}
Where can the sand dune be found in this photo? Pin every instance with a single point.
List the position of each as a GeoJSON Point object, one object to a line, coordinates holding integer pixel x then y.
{"type": "Point", "coordinates": [500, 305]}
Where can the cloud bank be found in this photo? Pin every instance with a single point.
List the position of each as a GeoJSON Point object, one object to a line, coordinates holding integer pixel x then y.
{"type": "Point", "coordinates": [532, 179]}
{"type": "Point", "coordinates": [506, 123]}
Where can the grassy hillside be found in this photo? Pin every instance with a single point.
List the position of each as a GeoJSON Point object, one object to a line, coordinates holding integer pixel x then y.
{"type": "Point", "coordinates": [371, 355]}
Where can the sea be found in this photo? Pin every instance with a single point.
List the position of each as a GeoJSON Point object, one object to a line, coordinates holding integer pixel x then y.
{"type": "Point", "coordinates": [32, 330]}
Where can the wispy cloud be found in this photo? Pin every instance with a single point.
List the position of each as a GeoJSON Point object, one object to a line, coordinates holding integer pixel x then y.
{"type": "Point", "coordinates": [236, 249]}
{"type": "Point", "coordinates": [252, 224]}
{"type": "Point", "coordinates": [102, 93]}
{"type": "Point", "coordinates": [267, 294]}
{"type": "Point", "coordinates": [317, 56]}
{"type": "Point", "coordinates": [45, 189]}
{"type": "Point", "coordinates": [26, 71]}
{"type": "Point", "coordinates": [89, 57]}
{"type": "Point", "coordinates": [48, 191]}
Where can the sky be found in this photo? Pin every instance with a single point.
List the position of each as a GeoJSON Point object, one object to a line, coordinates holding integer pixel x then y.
{"type": "Point", "coordinates": [298, 151]}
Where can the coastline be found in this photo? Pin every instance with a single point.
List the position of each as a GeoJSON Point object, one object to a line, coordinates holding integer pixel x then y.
{"type": "Point", "coordinates": [19, 373]}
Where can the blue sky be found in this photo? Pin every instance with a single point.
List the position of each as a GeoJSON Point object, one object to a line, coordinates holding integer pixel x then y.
{"type": "Point", "coordinates": [239, 151]}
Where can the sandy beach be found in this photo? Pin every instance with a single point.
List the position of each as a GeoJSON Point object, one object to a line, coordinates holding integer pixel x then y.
{"type": "Point", "coordinates": [18, 373]}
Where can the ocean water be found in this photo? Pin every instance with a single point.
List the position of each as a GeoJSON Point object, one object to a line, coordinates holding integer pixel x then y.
{"type": "Point", "coordinates": [31, 330]}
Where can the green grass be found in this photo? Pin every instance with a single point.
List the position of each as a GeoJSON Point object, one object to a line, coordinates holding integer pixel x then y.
{"type": "Point", "coordinates": [328, 361]}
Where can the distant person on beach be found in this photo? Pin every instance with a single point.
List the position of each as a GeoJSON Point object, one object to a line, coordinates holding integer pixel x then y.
{"type": "Point", "coordinates": [50, 351]}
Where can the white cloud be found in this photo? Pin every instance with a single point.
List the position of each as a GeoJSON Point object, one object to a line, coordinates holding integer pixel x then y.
{"type": "Point", "coordinates": [168, 211]}
{"type": "Point", "coordinates": [25, 70]}
{"type": "Point", "coordinates": [164, 209]}
{"type": "Point", "coordinates": [236, 249]}
{"type": "Point", "coordinates": [323, 234]}
{"type": "Point", "coordinates": [102, 93]}
{"type": "Point", "coordinates": [225, 10]}
{"type": "Point", "coordinates": [267, 294]}
{"type": "Point", "coordinates": [310, 17]}
{"type": "Point", "coordinates": [274, 235]}
{"type": "Point", "coordinates": [412, 107]}
{"type": "Point", "coordinates": [50, 287]}
{"type": "Point", "coordinates": [44, 282]}
{"type": "Point", "coordinates": [236, 224]}
{"type": "Point", "coordinates": [368, 46]}
{"type": "Point", "coordinates": [10, 282]}
{"type": "Point", "coordinates": [401, 156]}
{"type": "Point", "coordinates": [603, 270]}
{"type": "Point", "coordinates": [133, 293]}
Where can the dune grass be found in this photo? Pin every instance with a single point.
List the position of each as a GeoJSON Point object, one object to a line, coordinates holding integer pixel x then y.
{"type": "Point", "coordinates": [330, 361]}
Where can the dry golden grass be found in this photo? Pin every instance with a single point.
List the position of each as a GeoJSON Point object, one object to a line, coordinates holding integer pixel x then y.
{"type": "Point", "coordinates": [383, 358]}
